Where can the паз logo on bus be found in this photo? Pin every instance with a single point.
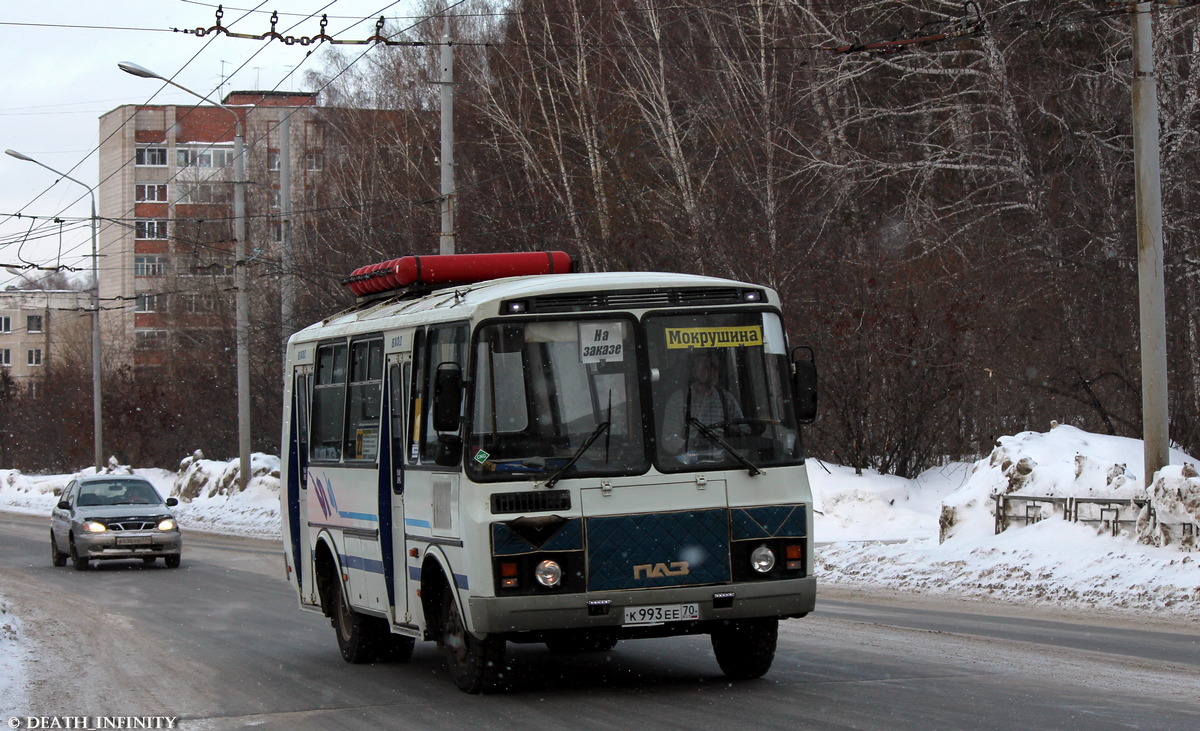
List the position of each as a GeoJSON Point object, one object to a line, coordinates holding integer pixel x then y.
{"type": "Point", "coordinates": [660, 570]}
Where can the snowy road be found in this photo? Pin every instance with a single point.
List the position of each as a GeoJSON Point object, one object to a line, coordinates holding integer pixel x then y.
{"type": "Point", "coordinates": [221, 644]}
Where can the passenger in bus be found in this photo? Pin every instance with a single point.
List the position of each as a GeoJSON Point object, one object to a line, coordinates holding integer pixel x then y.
{"type": "Point", "coordinates": [702, 399]}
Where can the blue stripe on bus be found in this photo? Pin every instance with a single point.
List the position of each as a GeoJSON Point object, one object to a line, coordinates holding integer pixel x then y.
{"type": "Point", "coordinates": [359, 516]}
{"type": "Point", "coordinates": [417, 523]}
{"type": "Point", "coordinates": [369, 565]}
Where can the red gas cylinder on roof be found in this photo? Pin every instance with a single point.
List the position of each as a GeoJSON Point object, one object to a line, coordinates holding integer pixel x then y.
{"type": "Point", "coordinates": [450, 269]}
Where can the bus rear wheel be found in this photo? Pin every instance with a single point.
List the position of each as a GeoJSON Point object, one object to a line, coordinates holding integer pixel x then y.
{"type": "Point", "coordinates": [476, 665]}
{"type": "Point", "coordinates": [745, 648]}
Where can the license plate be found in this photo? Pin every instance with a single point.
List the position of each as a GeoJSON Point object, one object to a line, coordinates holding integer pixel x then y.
{"type": "Point", "coordinates": [133, 541]}
{"type": "Point", "coordinates": [660, 613]}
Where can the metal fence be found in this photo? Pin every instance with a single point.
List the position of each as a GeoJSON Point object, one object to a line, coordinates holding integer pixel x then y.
{"type": "Point", "coordinates": [1107, 514]}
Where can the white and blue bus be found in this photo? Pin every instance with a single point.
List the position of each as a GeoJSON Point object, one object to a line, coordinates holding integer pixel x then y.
{"type": "Point", "coordinates": [490, 448]}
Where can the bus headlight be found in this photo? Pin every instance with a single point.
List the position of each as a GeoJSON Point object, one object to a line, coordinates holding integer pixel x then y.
{"type": "Point", "coordinates": [762, 559]}
{"type": "Point", "coordinates": [548, 574]}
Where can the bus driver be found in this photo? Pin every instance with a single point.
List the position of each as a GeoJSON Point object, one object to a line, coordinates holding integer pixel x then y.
{"type": "Point", "coordinates": [703, 400]}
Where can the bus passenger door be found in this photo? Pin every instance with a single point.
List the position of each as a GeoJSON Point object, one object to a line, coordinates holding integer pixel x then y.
{"type": "Point", "coordinates": [297, 483]}
{"type": "Point", "coordinates": [391, 473]}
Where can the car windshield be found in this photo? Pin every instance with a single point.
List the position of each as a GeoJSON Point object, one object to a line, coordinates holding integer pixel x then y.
{"type": "Point", "coordinates": [556, 396]}
{"type": "Point", "coordinates": [118, 492]}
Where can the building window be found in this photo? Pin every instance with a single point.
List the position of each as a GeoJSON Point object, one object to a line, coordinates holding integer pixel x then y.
{"type": "Point", "coordinates": [272, 160]}
{"type": "Point", "coordinates": [33, 357]}
{"type": "Point", "coordinates": [207, 193]}
{"type": "Point", "coordinates": [33, 323]}
{"type": "Point", "coordinates": [204, 157]}
{"type": "Point", "coordinates": [5, 324]}
{"type": "Point", "coordinates": [150, 193]}
{"type": "Point", "coordinates": [314, 161]}
{"type": "Point", "coordinates": [151, 229]}
{"type": "Point", "coordinates": [5, 357]}
{"type": "Point", "coordinates": [150, 339]}
{"type": "Point", "coordinates": [153, 156]}
{"type": "Point", "coordinates": [150, 303]}
{"type": "Point", "coordinates": [149, 266]}
{"type": "Point", "coordinates": [197, 304]}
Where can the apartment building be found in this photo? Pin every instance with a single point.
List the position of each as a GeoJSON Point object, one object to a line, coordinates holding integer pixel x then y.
{"type": "Point", "coordinates": [165, 196]}
{"type": "Point", "coordinates": [41, 327]}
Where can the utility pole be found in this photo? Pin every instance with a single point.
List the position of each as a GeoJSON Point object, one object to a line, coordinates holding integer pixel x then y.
{"type": "Point", "coordinates": [446, 240]}
{"type": "Point", "coordinates": [1151, 299]}
{"type": "Point", "coordinates": [287, 282]}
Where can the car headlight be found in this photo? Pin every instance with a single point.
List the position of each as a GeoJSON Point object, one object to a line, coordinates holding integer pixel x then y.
{"type": "Point", "coordinates": [167, 524]}
{"type": "Point", "coordinates": [762, 559]}
{"type": "Point", "coordinates": [548, 573]}
{"type": "Point", "coordinates": [92, 526]}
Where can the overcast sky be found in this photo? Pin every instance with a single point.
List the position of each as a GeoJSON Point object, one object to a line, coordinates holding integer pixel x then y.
{"type": "Point", "coordinates": [59, 59]}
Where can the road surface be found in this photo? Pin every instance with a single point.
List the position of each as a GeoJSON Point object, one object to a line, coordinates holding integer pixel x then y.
{"type": "Point", "coordinates": [221, 644]}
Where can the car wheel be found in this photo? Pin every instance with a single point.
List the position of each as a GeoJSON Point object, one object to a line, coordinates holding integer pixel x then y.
{"type": "Point", "coordinates": [172, 561]}
{"type": "Point", "coordinates": [362, 639]}
{"type": "Point", "coordinates": [149, 560]}
{"type": "Point", "coordinates": [78, 561]}
{"type": "Point", "coordinates": [745, 648]}
{"type": "Point", "coordinates": [476, 665]}
{"type": "Point", "coordinates": [56, 556]}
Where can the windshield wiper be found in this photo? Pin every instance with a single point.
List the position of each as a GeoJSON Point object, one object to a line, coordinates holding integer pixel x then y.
{"type": "Point", "coordinates": [712, 436]}
{"type": "Point", "coordinates": [600, 429]}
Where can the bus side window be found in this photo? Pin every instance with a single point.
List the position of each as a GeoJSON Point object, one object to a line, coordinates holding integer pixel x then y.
{"type": "Point", "coordinates": [398, 379]}
{"type": "Point", "coordinates": [301, 398]}
{"type": "Point", "coordinates": [444, 344]}
{"type": "Point", "coordinates": [328, 404]}
{"type": "Point", "coordinates": [366, 390]}
{"type": "Point", "coordinates": [416, 405]}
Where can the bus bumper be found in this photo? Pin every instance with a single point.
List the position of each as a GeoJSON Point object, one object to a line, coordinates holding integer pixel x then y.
{"type": "Point", "coordinates": [781, 599]}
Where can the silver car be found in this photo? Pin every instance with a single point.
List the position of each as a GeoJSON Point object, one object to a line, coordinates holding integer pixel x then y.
{"type": "Point", "coordinates": [113, 516]}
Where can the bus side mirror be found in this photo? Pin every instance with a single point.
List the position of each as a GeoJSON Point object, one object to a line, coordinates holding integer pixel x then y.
{"type": "Point", "coordinates": [447, 397]}
{"type": "Point", "coordinates": [804, 386]}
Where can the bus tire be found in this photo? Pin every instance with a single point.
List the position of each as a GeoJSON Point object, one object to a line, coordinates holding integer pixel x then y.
{"type": "Point", "coordinates": [476, 665]}
{"type": "Point", "coordinates": [745, 648]}
{"type": "Point", "coordinates": [359, 637]}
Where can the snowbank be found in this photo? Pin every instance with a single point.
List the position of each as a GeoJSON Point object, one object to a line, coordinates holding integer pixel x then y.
{"type": "Point", "coordinates": [1054, 561]}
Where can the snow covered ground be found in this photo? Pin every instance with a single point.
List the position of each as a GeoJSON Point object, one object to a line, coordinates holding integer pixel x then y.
{"type": "Point", "coordinates": [875, 531]}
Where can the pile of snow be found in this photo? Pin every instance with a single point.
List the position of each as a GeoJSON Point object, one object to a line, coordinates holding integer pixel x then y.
{"type": "Point", "coordinates": [1174, 505]}
{"type": "Point", "coordinates": [1054, 561]}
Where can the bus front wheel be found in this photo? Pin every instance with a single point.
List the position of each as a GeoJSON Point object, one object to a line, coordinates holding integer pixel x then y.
{"type": "Point", "coordinates": [745, 648]}
{"type": "Point", "coordinates": [476, 665]}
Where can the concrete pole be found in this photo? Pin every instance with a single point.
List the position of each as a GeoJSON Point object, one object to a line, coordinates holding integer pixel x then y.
{"type": "Point", "coordinates": [446, 240]}
{"type": "Point", "coordinates": [1151, 299]}
{"type": "Point", "coordinates": [242, 302]}
{"type": "Point", "coordinates": [97, 398]}
{"type": "Point", "coordinates": [287, 282]}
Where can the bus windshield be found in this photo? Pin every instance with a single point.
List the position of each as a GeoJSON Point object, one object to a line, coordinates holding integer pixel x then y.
{"type": "Point", "coordinates": [543, 390]}
{"type": "Point", "coordinates": [721, 391]}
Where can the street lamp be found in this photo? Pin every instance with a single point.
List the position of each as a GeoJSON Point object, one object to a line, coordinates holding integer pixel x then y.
{"type": "Point", "coordinates": [97, 414]}
{"type": "Point", "coordinates": [241, 283]}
